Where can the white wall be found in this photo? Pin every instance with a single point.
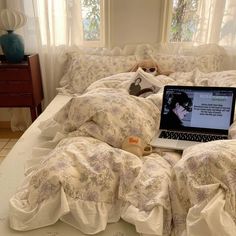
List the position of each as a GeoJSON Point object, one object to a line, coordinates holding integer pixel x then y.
{"type": "Point", "coordinates": [2, 4]}
{"type": "Point", "coordinates": [134, 21]}
{"type": "Point", "coordinates": [130, 22]}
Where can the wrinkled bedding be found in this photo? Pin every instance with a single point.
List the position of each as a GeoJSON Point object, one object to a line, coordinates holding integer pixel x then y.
{"type": "Point", "coordinates": [203, 190]}
{"type": "Point", "coordinates": [87, 184]}
{"type": "Point", "coordinates": [82, 177]}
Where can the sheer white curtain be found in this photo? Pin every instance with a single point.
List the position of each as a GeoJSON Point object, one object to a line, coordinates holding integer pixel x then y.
{"type": "Point", "coordinates": [217, 24]}
{"type": "Point", "coordinates": [52, 25]}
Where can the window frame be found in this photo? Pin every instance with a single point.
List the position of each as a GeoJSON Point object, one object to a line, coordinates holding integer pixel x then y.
{"type": "Point", "coordinates": [101, 42]}
{"type": "Point", "coordinates": [166, 24]}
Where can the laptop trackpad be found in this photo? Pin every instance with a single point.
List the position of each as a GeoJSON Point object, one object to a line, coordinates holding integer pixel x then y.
{"type": "Point", "coordinates": [172, 144]}
{"type": "Point", "coordinates": [181, 145]}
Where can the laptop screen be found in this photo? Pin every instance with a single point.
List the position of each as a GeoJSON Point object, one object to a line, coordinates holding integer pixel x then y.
{"type": "Point", "coordinates": [198, 108]}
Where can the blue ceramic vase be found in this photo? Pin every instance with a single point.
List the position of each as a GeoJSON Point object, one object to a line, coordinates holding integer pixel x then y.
{"type": "Point", "coordinates": [12, 46]}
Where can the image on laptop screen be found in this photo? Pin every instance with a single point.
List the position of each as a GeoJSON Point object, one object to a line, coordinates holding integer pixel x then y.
{"type": "Point", "coordinates": [197, 108]}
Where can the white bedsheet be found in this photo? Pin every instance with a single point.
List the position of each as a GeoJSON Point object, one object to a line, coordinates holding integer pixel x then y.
{"type": "Point", "coordinates": [214, 204]}
{"type": "Point", "coordinates": [87, 181]}
{"type": "Point", "coordinates": [12, 174]}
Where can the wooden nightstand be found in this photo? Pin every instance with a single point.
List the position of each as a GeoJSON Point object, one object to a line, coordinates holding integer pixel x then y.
{"type": "Point", "coordinates": [21, 84]}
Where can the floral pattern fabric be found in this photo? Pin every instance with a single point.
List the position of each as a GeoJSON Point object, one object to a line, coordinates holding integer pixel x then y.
{"type": "Point", "coordinates": [84, 174]}
{"type": "Point", "coordinates": [84, 69]}
{"type": "Point", "coordinates": [85, 66]}
{"type": "Point", "coordinates": [181, 63]}
{"type": "Point", "coordinates": [110, 115]}
{"type": "Point", "coordinates": [88, 172]}
{"type": "Point", "coordinates": [203, 171]}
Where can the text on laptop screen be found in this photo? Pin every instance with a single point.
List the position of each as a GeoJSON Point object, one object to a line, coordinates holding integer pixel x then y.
{"type": "Point", "coordinates": [196, 108]}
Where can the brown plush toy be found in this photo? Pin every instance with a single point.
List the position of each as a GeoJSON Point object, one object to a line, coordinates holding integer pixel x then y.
{"type": "Point", "coordinates": [149, 66]}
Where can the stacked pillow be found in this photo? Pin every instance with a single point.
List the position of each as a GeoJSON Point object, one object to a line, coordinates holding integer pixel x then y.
{"type": "Point", "coordinates": [206, 58]}
{"type": "Point", "coordinates": [87, 66]}
{"type": "Point", "coordinates": [85, 69]}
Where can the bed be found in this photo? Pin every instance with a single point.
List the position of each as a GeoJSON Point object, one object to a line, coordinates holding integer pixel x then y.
{"type": "Point", "coordinates": [15, 163]}
{"type": "Point", "coordinates": [68, 175]}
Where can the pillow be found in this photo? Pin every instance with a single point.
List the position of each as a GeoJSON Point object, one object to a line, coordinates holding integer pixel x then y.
{"type": "Point", "coordinates": [109, 115]}
{"type": "Point", "coordinates": [209, 63]}
{"type": "Point", "coordinates": [175, 63]}
{"type": "Point", "coordinates": [218, 79]}
{"type": "Point", "coordinates": [180, 57]}
{"type": "Point", "coordinates": [183, 77]}
{"type": "Point", "coordinates": [84, 69]}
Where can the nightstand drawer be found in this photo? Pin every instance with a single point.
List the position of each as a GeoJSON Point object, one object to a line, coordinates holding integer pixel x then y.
{"type": "Point", "coordinates": [14, 74]}
{"type": "Point", "coordinates": [15, 100]}
{"type": "Point", "coordinates": [21, 84]}
{"type": "Point", "coordinates": [15, 86]}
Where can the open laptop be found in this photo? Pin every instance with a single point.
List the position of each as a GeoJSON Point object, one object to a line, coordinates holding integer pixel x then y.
{"type": "Point", "coordinates": [194, 114]}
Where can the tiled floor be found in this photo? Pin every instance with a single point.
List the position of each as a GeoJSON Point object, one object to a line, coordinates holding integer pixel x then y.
{"type": "Point", "coordinates": [7, 141]}
{"type": "Point", "coordinates": [6, 144]}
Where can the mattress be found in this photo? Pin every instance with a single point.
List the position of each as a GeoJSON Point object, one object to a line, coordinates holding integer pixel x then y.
{"type": "Point", "coordinates": [12, 174]}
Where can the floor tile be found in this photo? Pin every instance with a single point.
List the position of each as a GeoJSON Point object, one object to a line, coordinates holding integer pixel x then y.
{"type": "Point", "coordinates": [4, 139]}
{"type": "Point", "coordinates": [4, 152]}
{"type": "Point", "coordinates": [7, 141]}
{"type": "Point", "coordinates": [10, 144]}
{"type": "Point", "coordinates": [2, 144]}
{"type": "Point", "coordinates": [14, 139]}
{"type": "Point", "coordinates": [7, 133]}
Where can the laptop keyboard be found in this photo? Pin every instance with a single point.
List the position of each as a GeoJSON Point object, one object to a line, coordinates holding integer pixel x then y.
{"type": "Point", "coordinates": [190, 136]}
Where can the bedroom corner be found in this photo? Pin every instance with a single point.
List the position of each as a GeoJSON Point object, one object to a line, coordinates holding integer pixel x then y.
{"type": "Point", "coordinates": [120, 118]}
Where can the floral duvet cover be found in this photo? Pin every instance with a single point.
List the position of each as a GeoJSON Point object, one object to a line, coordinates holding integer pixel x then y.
{"type": "Point", "coordinates": [87, 181]}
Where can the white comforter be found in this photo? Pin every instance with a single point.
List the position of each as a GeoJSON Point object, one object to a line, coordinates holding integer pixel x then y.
{"type": "Point", "coordinates": [203, 190]}
{"type": "Point", "coordinates": [87, 181]}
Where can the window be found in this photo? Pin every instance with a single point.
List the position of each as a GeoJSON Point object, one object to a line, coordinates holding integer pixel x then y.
{"type": "Point", "coordinates": [203, 21]}
{"type": "Point", "coordinates": [92, 22]}
{"type": "Point", "coordinates": [65, 22]}
{"type": "Point", "coordinates": [184, 20]}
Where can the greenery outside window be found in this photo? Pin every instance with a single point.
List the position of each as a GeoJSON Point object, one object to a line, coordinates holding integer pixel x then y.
{"type": "Point", "coordinates": [68, 22]}
{"type": "Point", "coordinates": [184, 20]}
{"type": "Point", "coordinates": [93, 22]}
